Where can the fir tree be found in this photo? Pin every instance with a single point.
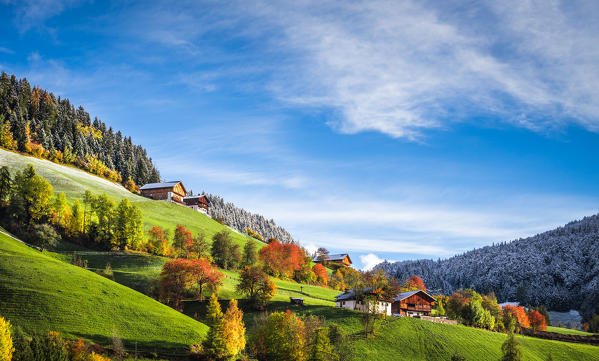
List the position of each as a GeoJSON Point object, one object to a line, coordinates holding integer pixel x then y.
{"type": "Point", "coordinates": [215, 345]}
{"type": "Point", "coordinates": [250, 253]}
{"type": "Point", "coordinates": [321, 349]}
{"type": "Point", "coordinates": [511, 349]}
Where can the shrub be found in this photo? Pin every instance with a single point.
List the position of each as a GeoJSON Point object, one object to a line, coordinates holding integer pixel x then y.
{"type": "Point", "coordinates": [44, 235]}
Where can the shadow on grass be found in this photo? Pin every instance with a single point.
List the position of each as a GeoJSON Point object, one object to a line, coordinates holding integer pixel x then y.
{"type": "Point", "coordinates": [170, 350]}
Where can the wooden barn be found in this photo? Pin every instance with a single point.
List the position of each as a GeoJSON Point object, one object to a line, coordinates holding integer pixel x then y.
{"type": "Point", "coordinates": [166, 191]}
{"type": "Point", "coordinates": [334, 259]}
{"type": "Point", "coordinates": [197, 203]}
{"type": "Point", "coordinates": [413, 303]}
{"type": "Point", "coordinates": [351, 299]}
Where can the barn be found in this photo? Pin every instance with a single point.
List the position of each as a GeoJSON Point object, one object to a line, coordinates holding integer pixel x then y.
{"type": "Point", "coordinates": [166, 191]}
{"type": "Point", "coordinates": [413, 303]}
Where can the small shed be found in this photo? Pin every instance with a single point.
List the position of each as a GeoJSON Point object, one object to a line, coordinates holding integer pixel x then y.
{"type": "Point", "coordinates": [296, 301]}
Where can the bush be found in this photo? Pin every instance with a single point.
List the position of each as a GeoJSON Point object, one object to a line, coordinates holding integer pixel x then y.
{"type": "Point", "coordinates": [44, 235]}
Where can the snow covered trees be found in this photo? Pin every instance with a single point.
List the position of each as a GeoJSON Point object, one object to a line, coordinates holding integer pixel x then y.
{"type": "Point", "coordinates": [242, 220]}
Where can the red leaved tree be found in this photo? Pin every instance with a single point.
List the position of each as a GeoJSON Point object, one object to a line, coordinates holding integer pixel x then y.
{"type": "Point", "coordinates": [281, 260]}
{"type": "Point", "coordinates": [157, 243]}
{"type": "Point", "coordinates": [537, 320]}
{"type": "Point", "coordinates": [183, 240]}
{"type": "Point", "coordinates": [415, 283]}
{"type": "Point", "coordinates": [179, 277]}
{"type": "Point", "coordinates": [519, 313]}
{"type": "Point", "coordinates": [321, 274]}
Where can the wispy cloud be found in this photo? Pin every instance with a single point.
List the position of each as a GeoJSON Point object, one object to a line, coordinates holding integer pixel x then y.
{"type": "Point", "coordinates": [33, 13]}
{"type": "Point", "coordinates": [403, 67]}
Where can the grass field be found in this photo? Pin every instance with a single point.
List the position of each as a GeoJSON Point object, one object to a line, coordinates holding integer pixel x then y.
{"type": "Point", "coordinates": [74, 182]}
{"type": "Point", "coordinates": [567, 331]}
{"type": "Point", "coordinates": [39, 293]}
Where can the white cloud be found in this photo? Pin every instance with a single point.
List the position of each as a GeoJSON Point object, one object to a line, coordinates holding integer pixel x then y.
{"type": "Point", "coordinates": [369, 261]}
{"type": "Point", "coordinates": [400, 67]}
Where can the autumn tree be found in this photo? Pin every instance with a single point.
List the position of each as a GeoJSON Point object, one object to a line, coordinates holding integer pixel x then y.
{"type": "Point", "coordinates": [415, 283]}
{"type": "Point", "coordinates": [157, 242]}
{"type": "Point", "coordinates": [250, 253]}
{"type": "Point", "coordinates": [321, 274]}
{"type": "Point", "coordinates": [519, 314]}
{"type": "Point", "coordinates": [256, 285]}
{"type": "Point", "coordinates": [199, 247]}
{"type": "Point", "coordinates": [180, 276]}
{"type": "Point", "coordinates": [75, 224]}
{"type": "Point", "coordinates": [61, 212]}
{"type": "Point", "coordinates": [226, 254]}
{"type": "Point", "coordinates": [282, 260]}
{"type": "Point", "coordinates": [6, 346]}
{"type": "Point", "coordinates": [279, 338]}
{"type": "Point", "coordinates": [182, 240]}
{"type": "Point", "coordinates": [215, 345]}
{"type": "Point", "coordinates": [537, 320]}
{"type": "Point", "coordinates": [128, 223]}
{"type": "Point", "coordinates": [30, 198]}
{"type": "Point", "coordinates": [234, 329]}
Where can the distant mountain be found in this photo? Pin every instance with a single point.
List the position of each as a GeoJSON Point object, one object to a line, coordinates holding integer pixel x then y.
{"type": "Point", "coordinates": [241, 220]}
{"type": "Point", "coordinates": [558, 268]}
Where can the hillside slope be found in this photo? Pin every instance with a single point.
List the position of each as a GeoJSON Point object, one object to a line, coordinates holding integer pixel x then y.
{"type": "Point", "coordinates": [74, 182]}
{"type": "Point", "coordinates": [558, 268]}
{"type": "Point", "coordinates": [38, 292]}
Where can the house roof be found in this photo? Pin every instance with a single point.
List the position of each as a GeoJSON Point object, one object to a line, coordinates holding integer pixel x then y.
{"type": "Point", "coordinates": [404, 295]}
{"type": "Point", "coordinates": [350, 294]}
{"type": "Point", "coordinates": [159, 185]}
{"type": "Point", "coordinates": [334, 257]}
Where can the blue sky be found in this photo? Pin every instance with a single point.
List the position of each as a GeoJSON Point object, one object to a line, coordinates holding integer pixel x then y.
{"type": "Point", "coordinates": [387, 129]}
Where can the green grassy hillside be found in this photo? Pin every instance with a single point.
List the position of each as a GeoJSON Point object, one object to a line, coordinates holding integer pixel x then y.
{"type": "Point", "coordinates": [567, 331]}
{"type": "Point", "coordinates": [38, 293]}
{"type": "Point", "coordinates": [74, 182]}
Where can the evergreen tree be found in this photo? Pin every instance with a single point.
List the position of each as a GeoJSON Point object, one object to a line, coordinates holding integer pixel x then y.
{"type": "Point", "coordinates": [215, 345]}
{"type": "Point", "coordinates": [5, 184]}
{"type": "Point", "coordinates": [511, 349]}
{"type": "Point", "coordinates": [321, 349]}
{"type": "Point", "coordinates": [250, 253]}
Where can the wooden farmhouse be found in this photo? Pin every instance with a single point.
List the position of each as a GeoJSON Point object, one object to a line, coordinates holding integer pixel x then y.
{"type": "Point", "coordinates": [334, 259]}
{"type": "Point", "coordinates": [413, 303]}
{"type": "Point", "coordinates": [350, 299]}
{"type": "Point", "coordinates": [197, 203]}
{"type": "Point", "coordinates": [166, 191]}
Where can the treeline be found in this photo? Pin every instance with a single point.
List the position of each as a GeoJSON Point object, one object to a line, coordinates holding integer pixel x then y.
{"type": "Point", "coordinates": [254, 224]}
{"type": "Point", "coordinates": [558, 268]}
{"type": "Point", "coordinates": [34, 121]}
{"type": "Point", "coordinates": [31, 210]}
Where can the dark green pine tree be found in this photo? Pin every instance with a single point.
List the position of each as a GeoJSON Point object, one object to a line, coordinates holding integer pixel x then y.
{"type": "Point", "coordinates": [511, 349]}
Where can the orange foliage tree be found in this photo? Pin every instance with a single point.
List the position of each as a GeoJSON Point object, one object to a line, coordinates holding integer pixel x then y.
{"type": "Point", "coordinates": [537, 320]}
{"type": "Point", "coordinates": [180, 276]}
{"type": "Point", "coordinates": [519, 313]}
{"type": "Point", "coordinates": [415, 283]}
{"type": "Point", "coordinates": [281, 260]}
{"type": "Point", "coordinates": [321, 274]}
{"type": "Point", "coordinates": [157, 243]}
{"type": "Point", "coordinates": [183, 240]}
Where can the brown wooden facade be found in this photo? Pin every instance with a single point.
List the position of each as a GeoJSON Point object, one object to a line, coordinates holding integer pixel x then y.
{"type": "Point", "coordinates": [171, 191]}
{"type": "Point", "coordinates": [335, 260]}
{"type": "Point", "coordinates": [197, 203]}
{"type": "Point", "coordinates": [417, 303]}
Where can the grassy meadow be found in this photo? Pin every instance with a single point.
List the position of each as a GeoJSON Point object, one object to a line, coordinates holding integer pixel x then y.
{"type": "Point", "coordinates": [39, 293]}
{"type": "Point", "coordinates": [74, 182]}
